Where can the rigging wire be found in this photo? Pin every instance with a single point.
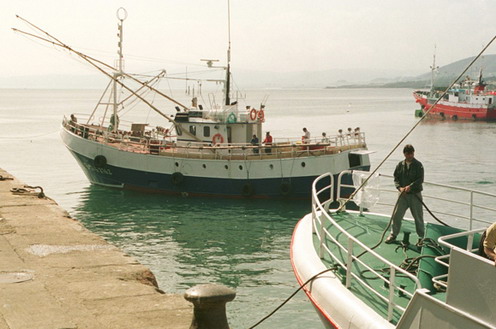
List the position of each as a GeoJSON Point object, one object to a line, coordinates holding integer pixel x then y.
{"type": "Point", "coordinates": [418, 122]}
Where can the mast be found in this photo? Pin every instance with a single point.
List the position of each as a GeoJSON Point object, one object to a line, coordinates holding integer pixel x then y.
{"type": "Point", "coordinates": [228, 69]}
{"type": "Point", "coordinates": [114, 119]}
{"type": "Point", "coordinates": [434, 69]}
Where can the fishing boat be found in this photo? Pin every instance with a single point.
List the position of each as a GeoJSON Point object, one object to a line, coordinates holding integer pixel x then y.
{"type": "Point", "coordinates": [355, 281]}
{"type": "Point", "coordinates": [467, 100]}
{"type": "Point", "coordinates": [201, 149]}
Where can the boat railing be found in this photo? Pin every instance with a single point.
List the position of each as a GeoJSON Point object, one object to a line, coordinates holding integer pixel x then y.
{"type": "Point", "coordinates": [321, 221]}
{"type": "Point", "coordinates": [442, 280]}
{"type": "Point", "coordinates": [162, 143]}
{"type": "Point", "coordinates": [464, 208]}
{"type": "Point", "coordinates": [457, 206]}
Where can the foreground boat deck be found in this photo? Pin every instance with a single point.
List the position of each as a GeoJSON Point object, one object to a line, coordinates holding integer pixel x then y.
{"type": "Point", "coordinates": [369, 228]}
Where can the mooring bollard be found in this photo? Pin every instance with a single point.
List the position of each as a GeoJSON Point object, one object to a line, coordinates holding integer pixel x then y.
{"type": "Point", "coordinates": [209, 301]}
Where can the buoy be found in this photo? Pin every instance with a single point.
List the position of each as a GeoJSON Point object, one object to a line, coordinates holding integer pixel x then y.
{"type": "Point", "coordinates": [177, 178]}
{"type": "Point", "coordinates": [247, 190]}
{"type": "Point", "coordinates": [285, 188]}
{"type": "Point", "coordinates": [217, 139]}
{"type": "Point", "coordinates": [261, 115]}
{"type": "Point", "coordinates": [100, 161]}
{"type": "Point", "coordinates": [253, 114]}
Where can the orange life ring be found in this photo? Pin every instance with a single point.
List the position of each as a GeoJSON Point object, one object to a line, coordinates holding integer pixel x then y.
{"type": "Point", "coordinates": [261, 115]}
{"type": "Point", "coordinates": [253, 114]}
{"type": "Point", "coordinates": [217, 139]}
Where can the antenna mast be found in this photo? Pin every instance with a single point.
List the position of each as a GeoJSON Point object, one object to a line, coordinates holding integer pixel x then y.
{"type": "Point", "coordinates": [121, 16]}
{"type": "Point", "coordinates": [434, 69]}
{"type": "Point", "coordinates": [228, 70]}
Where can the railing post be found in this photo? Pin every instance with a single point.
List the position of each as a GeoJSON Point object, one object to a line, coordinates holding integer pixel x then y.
{"type": "Point", "coordinates": [209, 301]}
{"type": "Point", "coordinates": [392, 279]}
{"type": "Point", "coordinates": [349, 263]}
{"type": "Point", "coordinates": [471, 209]}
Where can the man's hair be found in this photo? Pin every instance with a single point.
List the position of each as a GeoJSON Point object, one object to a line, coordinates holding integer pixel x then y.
{"type": "Point", "coordinates": [408, 149]}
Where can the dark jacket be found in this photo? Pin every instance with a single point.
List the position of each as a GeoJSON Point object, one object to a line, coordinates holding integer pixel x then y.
{"type": "Point", "coordinates": [413, 176]}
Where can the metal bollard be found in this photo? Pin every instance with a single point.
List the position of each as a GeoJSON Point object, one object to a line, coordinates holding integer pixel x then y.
{"type": "Point", "coordinates": [209, 301]}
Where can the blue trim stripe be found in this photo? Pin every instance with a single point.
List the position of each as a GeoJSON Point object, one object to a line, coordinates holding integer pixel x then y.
{"type": "Point", "coordinates": [292, 188]}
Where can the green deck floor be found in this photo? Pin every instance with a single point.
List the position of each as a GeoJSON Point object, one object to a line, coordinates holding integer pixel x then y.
{"type": "Point", "coordinates": [368, 229]}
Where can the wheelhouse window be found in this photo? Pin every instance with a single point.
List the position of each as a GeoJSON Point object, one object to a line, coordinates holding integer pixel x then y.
{"type": "Point", "coordinates": [192, 130]}
{"type": "Point", "coordinates": [206, 131]}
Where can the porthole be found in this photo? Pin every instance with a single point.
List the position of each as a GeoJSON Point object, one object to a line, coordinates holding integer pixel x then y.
{"type": "Point", "coordinates": [204, 166]}
{"type": "Point", "coordinates": [177, 164]}
{"type": "Point", "coordinates": [240, 167]}
{"type": "Point", "coordinates": [226, 166]}
{"type": "Point", "coordinates": [303, 164]}
{"type": "Point", "coordinates": [271, 166]}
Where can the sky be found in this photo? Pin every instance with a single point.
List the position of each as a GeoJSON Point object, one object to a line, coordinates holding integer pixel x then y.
{"type": "Point", "coordinates": [266, 35]}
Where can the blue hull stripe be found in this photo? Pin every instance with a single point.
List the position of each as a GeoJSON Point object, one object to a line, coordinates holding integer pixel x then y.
{"type": "Point", "coordinates": [293, 188]}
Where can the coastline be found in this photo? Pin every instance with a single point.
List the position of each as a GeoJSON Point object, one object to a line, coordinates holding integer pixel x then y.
{"type": "Point", "coordinates": [54, 273]}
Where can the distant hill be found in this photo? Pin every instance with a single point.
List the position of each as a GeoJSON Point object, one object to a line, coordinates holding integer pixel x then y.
{"type": "Point", "coordinates": [444, 76]}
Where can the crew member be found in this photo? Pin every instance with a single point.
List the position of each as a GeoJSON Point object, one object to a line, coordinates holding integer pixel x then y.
{"type": "Point", "coordinates": [408, 179]}
{"type": "Point", "coordinates": [268, 141]}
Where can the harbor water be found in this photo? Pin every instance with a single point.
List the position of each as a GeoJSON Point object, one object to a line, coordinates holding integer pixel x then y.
{"type": "Point", "coordinates": [243, 244]}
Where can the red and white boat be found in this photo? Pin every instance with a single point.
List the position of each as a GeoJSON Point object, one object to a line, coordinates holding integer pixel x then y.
{"type": "Point", "coordinates": [469, 101]}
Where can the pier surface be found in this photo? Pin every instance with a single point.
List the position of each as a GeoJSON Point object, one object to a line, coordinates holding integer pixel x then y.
{"type": "Point", "coordinates": [56, 274]}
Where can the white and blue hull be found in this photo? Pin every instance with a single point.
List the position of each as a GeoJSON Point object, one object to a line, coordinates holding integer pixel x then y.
{"type": "Point", "coordinates": [259, 178]}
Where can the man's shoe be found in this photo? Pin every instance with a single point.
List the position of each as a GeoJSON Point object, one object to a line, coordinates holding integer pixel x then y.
{"type": "Point", "coordinates": [390, 239]}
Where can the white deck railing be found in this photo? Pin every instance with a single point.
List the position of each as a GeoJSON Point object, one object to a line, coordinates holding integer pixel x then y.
{"type": "Point", "coordinates": [169, 146]}
{"type": "Point", "coordinates": [459, 207]}
{"type": "Point", "coordinates": [322, 219]}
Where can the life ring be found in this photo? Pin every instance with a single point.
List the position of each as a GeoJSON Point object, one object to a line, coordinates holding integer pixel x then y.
{"type": "Point", "coordinates": [454, 117]}
{"type": "Point", "coordinates": [177, 178]}
{"type": "Point", "coordinates": [100, 161]}
{"type": "Point", "coordinates": [231, 118]}
{"type": "Point", "coordinates": [285, 188]}
{"type": "Point", "coordinates": [261, 115]}
{"type": "Point", "coordinates": [217, 139]}
{"type": "Point", "coordinates": [253, 114]}
{"type": "Point", "coordinates": [247, 190]}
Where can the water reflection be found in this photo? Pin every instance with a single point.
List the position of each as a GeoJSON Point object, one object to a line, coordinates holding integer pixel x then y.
{"type": "Point", "coordinates": [194, 240]}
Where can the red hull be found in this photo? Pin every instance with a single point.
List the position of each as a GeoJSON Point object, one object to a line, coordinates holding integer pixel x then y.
{"type": "Point", "coordinates": [454, 110]}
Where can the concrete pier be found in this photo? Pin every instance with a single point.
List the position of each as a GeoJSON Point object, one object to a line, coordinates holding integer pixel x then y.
{"type": "Point", "coordinates": [55, 274]}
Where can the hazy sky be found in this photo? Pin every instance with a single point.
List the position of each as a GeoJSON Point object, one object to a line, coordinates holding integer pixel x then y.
{"type": "Point", "coordinates": [269, 35]}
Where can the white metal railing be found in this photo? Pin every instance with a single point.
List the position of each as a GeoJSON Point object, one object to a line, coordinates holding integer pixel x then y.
{"type": "Point", "coordinates": [164, 144]}
{"type": "Point", "coordinates": [441, 280]}
{"type": "Point", "coordinates": [321, 219]}
{"type": "Point", "coordinates": [460, 207]}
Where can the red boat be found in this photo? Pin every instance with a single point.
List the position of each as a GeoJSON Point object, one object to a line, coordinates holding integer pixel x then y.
{"type": "Point", "coordinates": [469, 101]}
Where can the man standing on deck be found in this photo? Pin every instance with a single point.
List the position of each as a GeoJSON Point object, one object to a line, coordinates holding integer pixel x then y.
{"type": "Point", "coordinates": [408, 178]}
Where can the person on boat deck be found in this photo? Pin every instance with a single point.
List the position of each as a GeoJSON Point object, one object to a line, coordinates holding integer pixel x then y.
{"type": "Point", "coordinates": [73, 122]}
{"type": "Point", "coordinates": [325, 139]}
{"type": "Point", "coordinates": [306, 137]}
{"type": "Point", "coordinates": [254, 141]}
{"type": "Point", "coordinates": [408, 179]}
{"type": "Point", "coordinates": [267, 141]}
{"type": "Point", "coordinates": [488, 243]}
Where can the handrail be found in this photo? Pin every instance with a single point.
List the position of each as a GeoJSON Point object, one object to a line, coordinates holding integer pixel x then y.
{"type": "Point", "coordinates": [167, 145]}
{"type": "Point", "coordinates": [319, 215]}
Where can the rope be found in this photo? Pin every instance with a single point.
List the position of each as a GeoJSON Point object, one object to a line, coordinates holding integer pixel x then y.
{"type": "Point", "coordinates": [292, 295]}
